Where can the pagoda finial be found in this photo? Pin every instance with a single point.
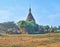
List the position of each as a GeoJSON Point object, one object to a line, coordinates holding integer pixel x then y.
{"type": "Point", "coordinates": [29, 10]}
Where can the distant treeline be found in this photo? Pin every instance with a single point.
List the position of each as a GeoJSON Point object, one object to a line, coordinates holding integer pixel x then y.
{"type": "Point", "coordinates": [25, 27]}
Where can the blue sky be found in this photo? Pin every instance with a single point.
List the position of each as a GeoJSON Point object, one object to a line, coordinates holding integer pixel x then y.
{"type": "Point", "coordinates": [45, 12]}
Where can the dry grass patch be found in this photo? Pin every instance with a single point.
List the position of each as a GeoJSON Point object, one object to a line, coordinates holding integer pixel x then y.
{"type": "Point", "coordinates": [28, 40]}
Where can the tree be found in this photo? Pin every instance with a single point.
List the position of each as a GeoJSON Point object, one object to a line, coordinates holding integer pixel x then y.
{"type": "Point", "coordinates": [59, 27]}
{"type": "Point", "coordinates": [7, 25]}
{"type": "Point", "coordinates": [55, 28]}
{"type": "Point", "coordinates": [47, 27]}
{"type": "Point", "coordinates": [29, 27]}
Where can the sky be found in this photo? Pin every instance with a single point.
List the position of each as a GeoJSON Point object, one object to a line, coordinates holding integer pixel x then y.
{"type": "Point", "coordinates": [45, 12]}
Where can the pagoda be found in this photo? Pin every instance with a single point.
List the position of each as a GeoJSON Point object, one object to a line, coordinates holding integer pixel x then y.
{"type": "Point", "coordinates": [30, 17]}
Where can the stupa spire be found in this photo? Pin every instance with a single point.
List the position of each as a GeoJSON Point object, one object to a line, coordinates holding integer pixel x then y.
{"type": "Point", "coordinates": [30, 17]}
{"type": "Point", "coordinates": [29, 10]}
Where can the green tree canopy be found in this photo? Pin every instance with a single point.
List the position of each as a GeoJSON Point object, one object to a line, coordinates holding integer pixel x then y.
{"type": "Point", "coordinates": [46, 27]}
{"type": "Point", "coordinates": [31, 27]}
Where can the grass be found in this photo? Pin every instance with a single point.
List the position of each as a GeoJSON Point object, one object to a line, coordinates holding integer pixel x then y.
{"type": "Point", "coordinates": [45, 42]}
{"type": "Point", "coordinates": [28, 40]}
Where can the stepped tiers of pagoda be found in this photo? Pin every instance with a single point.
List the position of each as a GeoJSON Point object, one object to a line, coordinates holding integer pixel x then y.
{"type": "Point", "coordinates": [30, 16]}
